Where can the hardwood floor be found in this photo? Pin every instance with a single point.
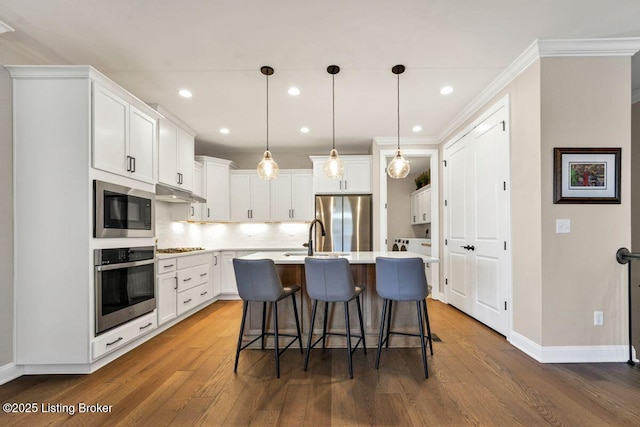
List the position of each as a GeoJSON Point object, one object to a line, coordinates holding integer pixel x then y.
{"type": "Point", "coordinates": [184, 376]}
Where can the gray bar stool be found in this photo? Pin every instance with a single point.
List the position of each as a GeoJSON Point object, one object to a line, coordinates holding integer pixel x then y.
{"type": "Point", "coordinates": [330, 280]}
{"type": "Point", "coordinates": [258, 281]}
{"type": "Point", "coordinates": [403, 279]}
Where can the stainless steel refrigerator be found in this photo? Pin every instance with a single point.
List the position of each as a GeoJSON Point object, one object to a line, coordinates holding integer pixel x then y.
{"type": "Point", "coordinates": [347, 223]}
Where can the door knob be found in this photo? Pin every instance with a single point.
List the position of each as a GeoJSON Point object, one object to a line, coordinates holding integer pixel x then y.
{"type": "Point", "coordinates": [469, 248]}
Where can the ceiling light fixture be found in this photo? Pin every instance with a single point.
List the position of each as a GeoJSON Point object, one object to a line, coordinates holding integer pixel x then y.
{"type": "Point", "coordinates": [304, 129]}
{"type": "Point", "coordinates": [398, 167]}
{"type": "Point", "coordinates": [293, 91]}
{"type": "Point", "coordinates": [267, 168]}
{"type": "Point", "coordinates": [333, 167]}
{"type": "Point", "coordinates": [446, 90]}
{"type": "Point", "coordinates": [417, 128]}
{"type": "Point", "coordinates": [224, 131]}
{"type": "Point", "coordinates": [185, 93]}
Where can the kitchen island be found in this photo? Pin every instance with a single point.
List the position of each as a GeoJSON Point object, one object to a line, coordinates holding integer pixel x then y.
{"type": "Point", "coordinates": [290, 267]}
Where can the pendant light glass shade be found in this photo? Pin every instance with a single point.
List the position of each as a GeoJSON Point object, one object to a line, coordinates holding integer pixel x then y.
{"type": "Point", "coordinates": [333, 167]}
{"type": "Point", "coordinates": [267, 168]}
{"type": "Point", "coordinates": [398, 167]}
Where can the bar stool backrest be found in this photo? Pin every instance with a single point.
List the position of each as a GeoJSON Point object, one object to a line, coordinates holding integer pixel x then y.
{"type": "Point", "coordinates": [329, 279]}
{"type": "Point", "coordinates": [401, 279]}
{"type": "Point", "coordinates": [257, 279]}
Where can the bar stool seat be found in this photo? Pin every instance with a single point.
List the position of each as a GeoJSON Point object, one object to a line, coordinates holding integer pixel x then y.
{"type": "Point", "coordinates": [258, 281]}
{"type": "Point", "coordinates": [403, 279]}
{"type": "Point", "coordinates": [330, 280]}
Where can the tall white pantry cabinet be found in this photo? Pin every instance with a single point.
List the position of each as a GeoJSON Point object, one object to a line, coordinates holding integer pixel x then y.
{"type": "Point", "coordinates": [54, 133]}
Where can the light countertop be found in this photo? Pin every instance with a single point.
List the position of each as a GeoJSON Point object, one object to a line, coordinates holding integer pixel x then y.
{"type": "Point", "coordinates": [297, 256]}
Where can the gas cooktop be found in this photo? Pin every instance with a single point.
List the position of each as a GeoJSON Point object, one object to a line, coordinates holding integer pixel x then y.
{"type": "Point", "coordinates": [178, 250]}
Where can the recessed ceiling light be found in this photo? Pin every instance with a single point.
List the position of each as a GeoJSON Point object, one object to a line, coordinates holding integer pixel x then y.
{"type": "Point", "coordinates": [417, 128]}
{"type": "Point", "coordinates": [294, 91]}
{"type": "Point", "coordinates": [185, 93]}
{"type": "Point", "coordinates": [304, 129]}
{"type": "Point", "coordinates": [446, 90]}
{"type": "Point", "coordinates": [224, 130]}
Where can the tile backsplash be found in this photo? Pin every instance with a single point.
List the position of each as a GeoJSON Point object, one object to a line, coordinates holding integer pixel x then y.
{"type": "Point", "coordinates": [227, 235]}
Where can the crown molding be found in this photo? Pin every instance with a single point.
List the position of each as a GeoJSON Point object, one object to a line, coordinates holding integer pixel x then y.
{"type": "Point", "coordinates": [543, 49]}
{"type": "Point", "coordinates": [4, 28]}
{"type": "Point", "coordinates": [635, 96]}
{"type": "Point", "coordinates": [408, 140]}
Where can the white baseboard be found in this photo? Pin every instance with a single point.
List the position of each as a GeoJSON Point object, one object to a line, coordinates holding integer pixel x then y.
{"type": "Point", "coordinates": [10, 372]}
{"type": "Point", "coordinates": [570, 354]}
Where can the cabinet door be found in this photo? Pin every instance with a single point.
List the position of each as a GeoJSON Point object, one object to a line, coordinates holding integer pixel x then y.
{"type": "Point", "coordinates": [216, 275]}
{"type": "Point", "coordinates": [167, 149]}
{"type": "Point", "coordinates": [281, 198]}
{"type": "Point", "coordinates": [240, 200]}
{"type": "Point", "coordinates": [229, 286]}
{"type": "Point", "coordinates": [357, 176]}
{"type": "Point", "coordinates": [302, 197]}
{"type": "Point", "coordinates": [167, 298]}
{"type": "Point", "coordinates": [322, 184]}
{"type": "Point", "coordinates": [413, 199]}
{"type": "Point", "coordinates": [216, 183]}
{"type": "Point", "coordinates": [425, 206]}
{"type": "Point", "coordinates": [184, 162]}
{"type": "Point", "coordinates": [260, 196]}
{"type": "Point", "coordinates": [110, 129]}
{"type": "Point", "coordinates": [142, 140]}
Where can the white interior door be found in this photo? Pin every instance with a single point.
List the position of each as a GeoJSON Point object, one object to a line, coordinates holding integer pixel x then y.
{"type": "Point", "coordinates": [478, 222]}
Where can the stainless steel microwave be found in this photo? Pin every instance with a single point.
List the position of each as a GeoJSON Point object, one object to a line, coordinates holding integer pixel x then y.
{"type": "Point", "coordinates": [122, 211]}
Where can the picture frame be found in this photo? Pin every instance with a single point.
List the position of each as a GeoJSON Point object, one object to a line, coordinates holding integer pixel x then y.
{"type": "Point", "coordinates": [586, 175]}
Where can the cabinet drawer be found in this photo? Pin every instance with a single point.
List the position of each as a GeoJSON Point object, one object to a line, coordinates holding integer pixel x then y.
{"type": "Point", "coordinates": [124, 334]}
{"type": "Point", "coordinates": [193, 297]}
{"type": "Point", "coordinates": [166, 265]}
{"type": "Point", "coordinates": [193, 260]}
{"type": "Point", "coordinates": [194, 276]}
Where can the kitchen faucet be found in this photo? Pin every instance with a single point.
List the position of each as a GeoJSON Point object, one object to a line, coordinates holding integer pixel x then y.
{"type": "Point", "coordinates": [309, 245]}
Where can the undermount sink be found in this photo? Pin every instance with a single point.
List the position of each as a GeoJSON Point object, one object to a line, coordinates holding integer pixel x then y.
{"type": "Point", "coordinates": [301, 253]}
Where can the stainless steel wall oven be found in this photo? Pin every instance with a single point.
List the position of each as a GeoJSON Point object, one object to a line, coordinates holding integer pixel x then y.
{"type": "Point", "coordinates": [124, 285]}
{"type": "Point", "coordinates": [122, 211]}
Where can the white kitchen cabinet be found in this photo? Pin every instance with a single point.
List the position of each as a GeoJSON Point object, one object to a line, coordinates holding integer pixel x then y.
{"type": "Point", "coordinates": [124, 136]}
{"type": "Point", "coordinates": [216, 188]}
{"type": "Point", "coordinates": [292, 196]}
{"type": "Point", "coordinates": [421, 206]}
{"type": "Point", "coordinates": [175, 151]}
{"type": "Point", "coordinates": [355, 180]}
{"type": "Point", "coordinates": [183, 283]}
{"type": "Point", "coordinates": [195, 209]}
{"type": "Point", "coordinates": [250, 196]}
{"type": "Point", "coordinates": [216, 274]}
{"type": "Point", "coordinates": [229, 287]}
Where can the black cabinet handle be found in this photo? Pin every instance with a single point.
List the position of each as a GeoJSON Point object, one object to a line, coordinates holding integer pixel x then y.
{"type": "Point", "coordinates": [112, 343]}
{"type": "Point", "coordinates": [187, 301]}
{"type": "Point", "coordinates": [216, 260]}
{"type": "Point", "coordinates": [146, 326]}
{"type": "Point", "coordinates": [187, 279]}
{"type": "Point", "coordinates": [133, 164]}
{"type": "Point", "coordinates": [208, 212]}
{"type": "Point", "coordinates": [193, 211]}
{"type": "Point", "coordinates": [128, 163]}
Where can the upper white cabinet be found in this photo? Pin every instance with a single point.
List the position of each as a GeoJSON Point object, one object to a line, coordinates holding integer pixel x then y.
{"type": "Point", "coordinates": [292, 196]}
{"type": "Point", "coordinates": [355, 180]}
{"type": "Point", "coordinates": [175, 152]}
{"type": "Point", "coordinates": [250, 196]}
{"type": "Point", "coordinates": [124, 136]}
{"type": "Point", "coordinates": [215, 178]}
{"type": "Point", "coordinates": [421, 206]}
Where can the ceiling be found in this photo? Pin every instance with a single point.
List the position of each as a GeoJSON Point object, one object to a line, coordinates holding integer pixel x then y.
{"type": "Point", "coordinates": [215, 48]}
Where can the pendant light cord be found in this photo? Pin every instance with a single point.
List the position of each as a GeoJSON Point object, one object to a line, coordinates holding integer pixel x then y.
{"type": "Point", "coordinates": [398, 111]}
{"type": "Point", "coordinates": [267, 75]}
{"type": "Point", "coordinates": [333, 107]}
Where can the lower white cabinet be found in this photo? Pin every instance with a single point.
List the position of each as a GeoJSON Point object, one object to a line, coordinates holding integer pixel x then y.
{"type": "Point", "coordinates": [124, 334]}
{"type": "Point", "coordinates": [229, 287]}
{"type": "Point", "coordinates": [216, 274]}
{"type": "Point", "coordinates": [183, 283]}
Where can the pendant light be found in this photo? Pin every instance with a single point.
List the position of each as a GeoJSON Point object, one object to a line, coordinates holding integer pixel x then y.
{"type": "Point", "coordinates": [398, 167]}
{"type": "Point", "coordinates": [267, 168]}
{"type": "Point", "coordinates": [333, 167]}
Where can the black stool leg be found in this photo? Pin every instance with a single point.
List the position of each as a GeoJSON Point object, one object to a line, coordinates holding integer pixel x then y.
{"type": "Point", "coordinates": [389, 321]}
{"type": "Point", "coordinates": [324, 325]}
{"type": "Point", "coordinates": [313, 319]}
{"type": "Point", "coordinates": [364, 344]}
{"type": "Point", "coordinates": [264, 319]}
{"type": "Point", "coordinates": [295, 311]}
{"type": "Point", "coordinates": [381, 334]}
{"type": "Point", "coordinates": [426, 317]}
{"type": "Point", "coordinates": [275, 331]}
{"type": "Point", "coordinates": [346, 321]}
{"type": "Point", "coordinates": [244, 316]}
{"type": "Point", "coordinates": [424, 350]}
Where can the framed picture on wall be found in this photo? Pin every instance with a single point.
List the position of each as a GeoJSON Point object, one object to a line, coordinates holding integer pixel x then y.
{"type": "Point", "coordinates": [586, 175]}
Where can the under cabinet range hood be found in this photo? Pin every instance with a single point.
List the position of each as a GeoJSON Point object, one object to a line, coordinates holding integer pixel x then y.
{"type": "Point", "coordinates": [174, 195]}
